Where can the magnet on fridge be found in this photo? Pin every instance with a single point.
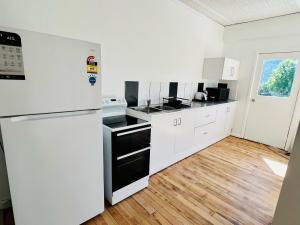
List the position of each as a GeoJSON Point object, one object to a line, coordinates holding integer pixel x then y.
{"type": "Point", "coordinates": [92, 80]}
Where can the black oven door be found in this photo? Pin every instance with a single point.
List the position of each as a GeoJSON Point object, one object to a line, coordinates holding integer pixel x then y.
{"type": "Point", "coordinates": [129, 169]}
{"type": "Point", "coordinates": [130, 156]}
{"type": "Point", "coordinates": [130, 140]}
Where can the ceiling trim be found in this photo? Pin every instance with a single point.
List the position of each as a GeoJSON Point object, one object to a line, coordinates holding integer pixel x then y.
{"type": "Point", "coordinates": [209, 12]}
{"type": "Point", "coordinates": [267, 18]}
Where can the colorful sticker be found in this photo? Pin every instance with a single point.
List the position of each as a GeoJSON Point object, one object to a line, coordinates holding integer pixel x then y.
{"type": "Point", "coordinates": [91, 65]}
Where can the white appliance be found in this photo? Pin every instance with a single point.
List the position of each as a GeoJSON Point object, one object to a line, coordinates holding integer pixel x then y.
{"type": "Point", "coordinates": [126, 151]}
{"type": "Point", "coordinates": [201, 96]}
{"type": "Point", "coordinates": [51, 133]}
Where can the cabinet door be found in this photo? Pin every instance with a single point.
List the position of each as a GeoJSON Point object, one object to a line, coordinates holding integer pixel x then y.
{"type": "Point", "coordinates": [184, 139]}
{"type": "Point", "coordinates": [162, 141]}
{"type": "Point", "coordinates": [221, 122]}
{"type": "Point", "coordinates": [231, 69]}
{"type": "Point", "coordinates": [230, 112]}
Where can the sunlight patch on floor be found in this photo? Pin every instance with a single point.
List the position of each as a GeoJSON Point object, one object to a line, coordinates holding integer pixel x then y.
{"type": "Point", "coordinates": [277, 167]}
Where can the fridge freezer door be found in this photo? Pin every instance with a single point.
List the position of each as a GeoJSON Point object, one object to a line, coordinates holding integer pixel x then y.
{"type": "Point", "coordinates": [55, 167]}
{"type": "Point", "coordinates": [56, 76]}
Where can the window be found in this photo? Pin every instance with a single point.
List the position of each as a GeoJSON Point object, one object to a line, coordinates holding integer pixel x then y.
{"type": "Point", "coordinates": [277, 77]}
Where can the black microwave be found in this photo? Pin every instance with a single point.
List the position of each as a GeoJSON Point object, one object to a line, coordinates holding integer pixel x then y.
{"type": "Point", "coordinates": [217, 94]}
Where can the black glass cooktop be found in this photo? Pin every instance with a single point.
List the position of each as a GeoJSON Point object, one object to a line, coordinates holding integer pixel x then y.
{"type": "Point", "coordinates": [121, 121]}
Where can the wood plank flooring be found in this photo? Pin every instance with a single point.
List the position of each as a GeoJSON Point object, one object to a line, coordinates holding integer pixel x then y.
{"type": "Point", "coordinates": [227, 183]}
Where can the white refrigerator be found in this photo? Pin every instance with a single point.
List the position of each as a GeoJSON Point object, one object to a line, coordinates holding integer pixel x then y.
{"type": "Point", "coordinates": [51, 127]}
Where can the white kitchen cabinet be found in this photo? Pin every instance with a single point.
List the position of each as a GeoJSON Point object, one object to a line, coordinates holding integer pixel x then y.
{"type": "Point", "coordinates": [230, 109]}
{"type": "Point", "coordinates": [221, 69]}
{"type": "Point", "coordinates": [205, 135]}
{"type": "Point", "coordinates": [177, 135]}
{"type": "Point", "coordinates": [162, 141]}
{"type": "Point", "coordinates": [172, 133]}
{"type": "Point", "coordinates": [184, 132]}
{"type": "Point", "coordinates": [205, 115]}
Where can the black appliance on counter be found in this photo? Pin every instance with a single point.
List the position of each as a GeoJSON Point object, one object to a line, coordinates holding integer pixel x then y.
{"type": "Point", "coordinates": [217, 94]}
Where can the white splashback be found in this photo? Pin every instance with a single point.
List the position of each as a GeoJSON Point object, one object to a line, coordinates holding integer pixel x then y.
{"type": "Point", "coordinates": [188, 90]}
{"type": "Point", "coordinates": [164, 90]}
{"type": "Point", "coordinates": [180, 90]}
{"type": "Point", "coordinates": [144, 92]}
{"type": "Point", "coordinates": [156, 91]}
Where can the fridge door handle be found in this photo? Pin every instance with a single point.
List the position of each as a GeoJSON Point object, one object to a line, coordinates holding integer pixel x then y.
{"type": "Point", "coordinates": [52, 115]}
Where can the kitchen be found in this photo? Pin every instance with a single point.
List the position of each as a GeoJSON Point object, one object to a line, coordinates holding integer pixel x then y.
{"type": "Point", "coordinates": [161, 48]}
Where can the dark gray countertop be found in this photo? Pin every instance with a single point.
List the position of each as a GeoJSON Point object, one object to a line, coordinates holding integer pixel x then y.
{"type": "Point", "coordinates": [194, 105]}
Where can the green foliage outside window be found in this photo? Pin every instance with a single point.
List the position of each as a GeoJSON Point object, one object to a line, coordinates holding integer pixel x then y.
{"type": "Point", "coordinates": [280, 81]}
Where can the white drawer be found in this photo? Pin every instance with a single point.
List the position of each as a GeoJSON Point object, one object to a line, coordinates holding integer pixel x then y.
{"type": "Point", "coordinates": [205, 116]}
{"type": "Point", "coordinates": [205, 135]}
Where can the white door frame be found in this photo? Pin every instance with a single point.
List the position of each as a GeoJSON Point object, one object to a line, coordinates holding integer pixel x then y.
{"type": "Point", "coordinates": [296, 114]}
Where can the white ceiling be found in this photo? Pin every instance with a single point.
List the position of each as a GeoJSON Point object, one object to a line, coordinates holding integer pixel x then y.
{"type": "Point", "coordinates": [229, 12]}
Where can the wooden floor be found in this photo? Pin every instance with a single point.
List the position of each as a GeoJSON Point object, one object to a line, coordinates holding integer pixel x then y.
{"type": "Point", "coordinates": [228, 183]}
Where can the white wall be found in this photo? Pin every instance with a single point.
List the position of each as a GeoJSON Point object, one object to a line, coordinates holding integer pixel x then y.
{"type": "Point", "coordinates": [155, 40]}
{"type": "Point", "coordinates": [246, 41]}
{"type": "Point", "coordinates": [150, 40]}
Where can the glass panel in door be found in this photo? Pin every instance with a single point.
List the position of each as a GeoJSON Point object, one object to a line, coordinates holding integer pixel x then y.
{"type": "Point", "coordinates": [277, 77]}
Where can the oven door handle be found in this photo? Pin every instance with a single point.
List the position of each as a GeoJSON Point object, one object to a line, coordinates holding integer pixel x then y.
{"type": "Point", "coordinates": [133, 153]}
{"type": "Point", "coordinates": [133, 131]}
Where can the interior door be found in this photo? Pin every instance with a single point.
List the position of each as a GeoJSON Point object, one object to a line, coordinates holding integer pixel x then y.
{"type": "Point", "coordinates": [273, 97]}
{"type": "Point", "coordinates": [55, 167]}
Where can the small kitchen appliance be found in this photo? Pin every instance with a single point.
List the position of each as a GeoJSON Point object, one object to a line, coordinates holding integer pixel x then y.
{"type": "Point", "coordinates": [126, 151]}
{"type": "Point", "coordinates": [201, 96]}
{"type": "Point", "coordinates": [217, 94]}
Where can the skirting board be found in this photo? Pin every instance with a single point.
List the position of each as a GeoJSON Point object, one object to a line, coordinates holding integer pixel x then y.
{"type": "Point", "coordinates": [237, 135]}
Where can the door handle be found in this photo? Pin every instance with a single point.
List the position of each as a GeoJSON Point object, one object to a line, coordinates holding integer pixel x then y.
{"type": "Point", "coordinates": [232, 71]}
{"type": "Point", "coordinates": [52, 115]}
{"type": "Point", "coordinates": [179, 121]}
{"type": "Point", "coordinates": [253, 100]}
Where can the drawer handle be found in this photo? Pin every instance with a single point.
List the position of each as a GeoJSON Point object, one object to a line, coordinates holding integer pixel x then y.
{"type": "Point", "coordinates": [175, 123]}
{"type": "Point", "coordinates": [208, 115]}
{"type": "Point", "coordinates": [133, 153]}
{"type": "Point", "coordinates": [133, 131]}
{"type": "Point", "coordinates": [179, 121]}
{"type": "Point", "coordinates": [205, 133]}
